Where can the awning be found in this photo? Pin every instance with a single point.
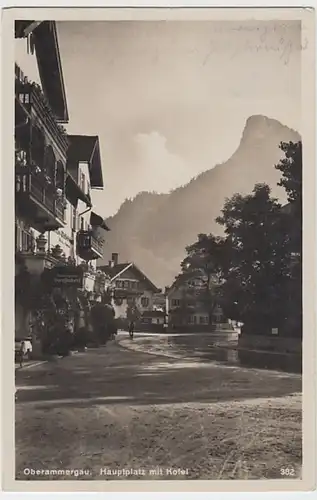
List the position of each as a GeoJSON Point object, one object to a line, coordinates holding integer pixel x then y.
{"type": "Point", "coordinates": [85, 148]}
{"type": "Point", "coordinates": [97, 221]}
{"type": "Point", "coordinates": [74, 193]}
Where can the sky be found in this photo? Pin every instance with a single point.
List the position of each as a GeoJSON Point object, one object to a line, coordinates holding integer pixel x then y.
{"type": "Point", "coordinates": [169, 100]}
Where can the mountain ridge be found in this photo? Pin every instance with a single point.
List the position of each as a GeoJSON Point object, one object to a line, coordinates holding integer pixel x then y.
{"type": "Point", "coordinates": [153, 229]}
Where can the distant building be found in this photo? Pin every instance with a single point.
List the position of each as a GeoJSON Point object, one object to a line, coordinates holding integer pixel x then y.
{"type": "Point", "coordinates": [186, 307]}
{"type": "Point", "coordinates": [133, 293]}
{"type": "Point", "coordinates": [159, 301]}
{"type": "Point", "coordinates": [153, 318]}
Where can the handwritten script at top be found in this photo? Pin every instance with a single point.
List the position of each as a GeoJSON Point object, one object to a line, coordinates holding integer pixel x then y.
{"type": "Point", "coordinates": [262, 38]}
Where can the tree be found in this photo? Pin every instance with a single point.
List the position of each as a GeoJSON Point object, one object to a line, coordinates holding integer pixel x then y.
{"type": "Point", "coordinates": [291, 168]}
{"type": "Point", "coordinates": [103, 321]}
{"type": "Point", "coordinates": [257, 271]}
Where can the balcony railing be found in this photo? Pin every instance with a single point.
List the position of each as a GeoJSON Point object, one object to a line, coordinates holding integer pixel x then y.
{"type": "Point", "coordinates": [88, 245]}
{"type": "Point", "coordinates": [33, 187]}
{"type": "Point", "coordinates": [30, 96]}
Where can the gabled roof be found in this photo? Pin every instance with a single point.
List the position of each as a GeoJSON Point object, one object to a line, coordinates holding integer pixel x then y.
{"type": "Point", "coordinates": [85, 148]}
{"type": "Point", "coordinates": [49, 63]}
{"type": "Point", "coordinates": [117, 270]}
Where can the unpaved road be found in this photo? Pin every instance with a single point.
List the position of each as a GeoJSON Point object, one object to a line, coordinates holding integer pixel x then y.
{"type": "Point", "coordinates": [114, 409]}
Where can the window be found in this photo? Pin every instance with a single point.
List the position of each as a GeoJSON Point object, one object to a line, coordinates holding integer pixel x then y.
{"type": "Point", "coordinates": [24, 239]}
{"type": "Point", "coordinates": [144, 301]}
{"type": "Point", "coordinates": [157, 321]}
{"type": "Point", "coordinates": [83, 182]}
{"type": "Point", "coordinates": [38, 150]}
{"type": "Point", "coordinates": [49, 163]}
{"type": "Point", "coordinates": [74, 219]}
{"type": "Point", "coordinates": [17, 237]}
{"type": "Point", "coordinates": [24, 98]}
{"type": "Point", "coordinates": [176, 302]}
{"type": "Point", "coordinates": [60, 176]}
{"type": "Point", "coordinates": [82, 223]}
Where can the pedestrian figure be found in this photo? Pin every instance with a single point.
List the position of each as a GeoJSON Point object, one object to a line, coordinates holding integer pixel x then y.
{"type": "Point", "coordinates": [21, 353]}
{"type": "Point", "coordinates": [131, 329]}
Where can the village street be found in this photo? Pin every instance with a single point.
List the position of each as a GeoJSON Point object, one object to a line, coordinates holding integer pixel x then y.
{"type": "Point", "coordinates": [118, 408]}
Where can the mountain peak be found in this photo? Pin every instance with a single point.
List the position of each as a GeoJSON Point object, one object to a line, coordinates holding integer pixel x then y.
{"type": "Point", "coordinates": [258, 126]}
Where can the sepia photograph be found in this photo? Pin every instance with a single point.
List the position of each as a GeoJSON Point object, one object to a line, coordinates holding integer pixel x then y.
{"type": "Point", "coordinates": [158, 270]}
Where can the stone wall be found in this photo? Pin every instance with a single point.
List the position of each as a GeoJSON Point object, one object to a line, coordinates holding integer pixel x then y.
{"type": "Point", "coordinates": [270, 343]}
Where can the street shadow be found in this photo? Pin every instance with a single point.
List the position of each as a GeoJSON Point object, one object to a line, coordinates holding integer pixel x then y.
{"type": "Point", "coordinates": [113, 377]}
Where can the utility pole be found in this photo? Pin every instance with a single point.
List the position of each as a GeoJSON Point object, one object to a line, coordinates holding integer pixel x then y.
{"type": "Point", "coordinates": [166, 309]}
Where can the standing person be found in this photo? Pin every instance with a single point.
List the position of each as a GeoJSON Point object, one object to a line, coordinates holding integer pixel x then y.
{"type": "Point", "coordinates": [21, 353]}
{"type": "Point", "coordinates": [131, 329]}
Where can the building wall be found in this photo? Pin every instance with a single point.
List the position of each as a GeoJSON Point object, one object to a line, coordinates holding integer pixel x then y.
{"type": "Point", "coordinates": [129, 284]}
{"type": "Point", "coordinates": [145, 302]}
{"type": "Point", "coordinates": [147, 305]}
{"type": "Point", "coordinates": [64, 236]}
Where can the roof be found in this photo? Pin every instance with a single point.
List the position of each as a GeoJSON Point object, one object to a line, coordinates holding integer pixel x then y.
{"type": "Point", "coordinates": [118, 269]}
{"type": "Point", "coordinates": [48, 58]}
{"type": "Point", "coordinates": [97, 220]}
{"type": "Point", "coordinates": [23, 28]}
{"type": "Point", "coordinates": [85, 148]}
{"type": "Point", "coordinates": [115, 270]}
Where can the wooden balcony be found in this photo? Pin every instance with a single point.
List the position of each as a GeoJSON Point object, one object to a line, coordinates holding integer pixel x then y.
{"type": "Point", "coordinates": [88, 246]}
{"type": "Point", "coordinates": [39, 200]}
{"type": "Point", "coordinates": [30, 103]}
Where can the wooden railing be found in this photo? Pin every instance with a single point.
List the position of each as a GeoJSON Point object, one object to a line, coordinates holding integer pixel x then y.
{"type": "Point", "coordinates": [28, 182]}
{"type": "Point", "coordinates": [87, 241]}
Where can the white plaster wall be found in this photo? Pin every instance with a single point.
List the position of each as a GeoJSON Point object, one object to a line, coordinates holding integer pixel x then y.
{"type": "Point", "coordinates": [148, 295]}
{"type": "Point", "coordinates": [26, 61]}
{"type": "Point", "coordinates": [89, 282]}
{"type": "Point", "coordinates": [120, 310]}
{"type": "Point", "coordinates": [158, 321]}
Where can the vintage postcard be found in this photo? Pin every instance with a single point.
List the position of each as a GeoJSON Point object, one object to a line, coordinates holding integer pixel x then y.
{"type": "Point", "coordinates": [160, 334]}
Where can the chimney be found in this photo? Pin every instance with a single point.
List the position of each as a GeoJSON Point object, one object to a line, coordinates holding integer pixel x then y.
{"type": "Point", "coordinates": [114, 258]}
{"type": "Point", "coordinates": [110, 263]}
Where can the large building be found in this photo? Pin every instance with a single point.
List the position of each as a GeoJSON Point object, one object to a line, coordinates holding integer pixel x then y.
{"type": "Point", "coordinates": [55, 173]}
{"type": "Point", "coordinates": [133, 293]}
